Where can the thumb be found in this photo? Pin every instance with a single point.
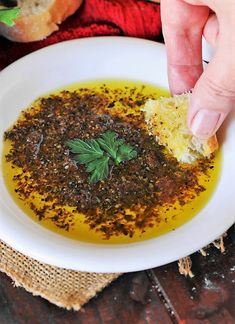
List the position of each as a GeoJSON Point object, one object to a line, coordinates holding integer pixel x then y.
{"type": "Point", "coordinates": [214, 94]}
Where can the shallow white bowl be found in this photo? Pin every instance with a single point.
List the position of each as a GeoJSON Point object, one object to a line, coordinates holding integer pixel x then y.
{"type": "Point", "coordinates": [103, 58]}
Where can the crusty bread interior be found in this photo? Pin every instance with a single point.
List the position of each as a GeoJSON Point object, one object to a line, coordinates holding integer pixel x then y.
{"type": "Point", "coordinates": [33, 7]}
{"type": "Point", "coordinates": [167, 120]}
{"type": "Point", "coordinates": [38, 19]}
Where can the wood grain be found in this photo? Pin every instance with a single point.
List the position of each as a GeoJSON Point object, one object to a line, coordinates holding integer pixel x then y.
{"type": "Point", "coordinates": [157, 296]}
{"type": "Point", "coordinates": [209, 296]}
{"type": "Point", "coordinates": [130, 299]}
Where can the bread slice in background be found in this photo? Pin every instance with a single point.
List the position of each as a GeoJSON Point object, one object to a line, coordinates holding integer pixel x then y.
{"type": "Point", "coordinates": [38, 19]}
{"type": "Point", "coordinates": [167, 120]}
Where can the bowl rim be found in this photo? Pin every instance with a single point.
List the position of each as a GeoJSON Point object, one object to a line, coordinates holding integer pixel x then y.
{"type": "Point", "coordinates": [41, 244]}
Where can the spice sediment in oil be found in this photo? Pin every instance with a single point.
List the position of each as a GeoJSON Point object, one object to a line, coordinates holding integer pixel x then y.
{"type": "Point", "coordinates": [142, 198]}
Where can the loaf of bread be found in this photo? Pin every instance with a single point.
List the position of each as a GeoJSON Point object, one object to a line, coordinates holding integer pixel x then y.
{"type": "Point", "coordinates": [167, 120]}
{"type": "Point", "coordinates": [38, 19]}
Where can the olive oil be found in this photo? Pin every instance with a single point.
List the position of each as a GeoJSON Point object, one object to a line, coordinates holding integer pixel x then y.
{"type": "Point", "coordinates": [169, 217]}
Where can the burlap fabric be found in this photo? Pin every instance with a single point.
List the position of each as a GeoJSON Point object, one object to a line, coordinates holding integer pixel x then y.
{"type": "Point", "coordinates": [65, 288]}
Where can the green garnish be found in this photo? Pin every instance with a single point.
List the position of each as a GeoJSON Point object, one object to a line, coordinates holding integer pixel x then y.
{"type": "Point", "coordinates": [116, 148]}
{"type": "Point", "coordinates": [8, 16]}
{"type": "Point", "coordinates": [98, 154]}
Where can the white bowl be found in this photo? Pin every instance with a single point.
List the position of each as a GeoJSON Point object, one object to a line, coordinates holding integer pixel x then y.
{"type": "Point", "coordinates": [103, 58]}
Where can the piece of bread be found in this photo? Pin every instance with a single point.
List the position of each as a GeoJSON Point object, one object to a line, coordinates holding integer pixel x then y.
{"type": "Point", "coordinates": [167, 120]}
{"type": "Point", "coordinates": [38, 19]}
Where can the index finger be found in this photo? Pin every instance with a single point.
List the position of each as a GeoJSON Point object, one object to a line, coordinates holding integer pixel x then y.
{"type": "Point", "coordinates": [182, 25]}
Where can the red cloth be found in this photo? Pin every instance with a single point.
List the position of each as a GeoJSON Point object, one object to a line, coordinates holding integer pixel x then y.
{"type": "Point", "coordinates": [137, 18]}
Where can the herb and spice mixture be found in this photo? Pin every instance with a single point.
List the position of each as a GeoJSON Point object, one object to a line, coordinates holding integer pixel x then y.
{"type": "Point", "coordinates": [85, 157]}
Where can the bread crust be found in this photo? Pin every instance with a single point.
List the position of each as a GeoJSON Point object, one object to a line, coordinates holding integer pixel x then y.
{"type": "Point", "coordinates": [38, 26]}
{"type": "Point", "coordinates": [166, 119]}
{"type": "Point", "coordinates": [212, 144]}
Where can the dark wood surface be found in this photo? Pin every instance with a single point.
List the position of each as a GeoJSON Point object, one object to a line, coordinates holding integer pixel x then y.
{"type": "Point", "coordinates": [158, 296]}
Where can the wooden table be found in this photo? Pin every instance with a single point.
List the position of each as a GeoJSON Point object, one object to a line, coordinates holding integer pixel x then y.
{"type": "Point", "coordinates": [157, 296]}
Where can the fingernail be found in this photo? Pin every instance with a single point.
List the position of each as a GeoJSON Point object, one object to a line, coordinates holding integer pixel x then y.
{"type": "Point", "coordinates": [205, 123]}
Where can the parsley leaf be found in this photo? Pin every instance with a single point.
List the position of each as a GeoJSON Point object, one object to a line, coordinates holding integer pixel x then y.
{"type": "Point", "coordinates": [110, 144]}
{"type": "Point", "coordinates": [99, 169]}
{"type": "Point", "coordinates": [8, 16]}
{"type": "Point", "coordinates": [98, 154]}
{"type": "Point", "coordinates": [86, 151]}
{"type": "Point", "coordinates": [125, 153]}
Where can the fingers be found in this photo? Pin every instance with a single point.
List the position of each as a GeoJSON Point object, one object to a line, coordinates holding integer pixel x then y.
{"type": "Point", "coordinates": [211, 30]}
{"type": "Point", "coordinates": [214, 94]}
{"type": "Point", "coordinates": [182, 28]}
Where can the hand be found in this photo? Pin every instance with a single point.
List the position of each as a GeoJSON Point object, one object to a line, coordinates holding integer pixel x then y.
{"type": "Point", "coordinates": [184, 23]}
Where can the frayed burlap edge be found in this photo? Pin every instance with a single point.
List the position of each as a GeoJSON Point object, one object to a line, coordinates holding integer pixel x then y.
{"type": "Point", "coordinates": [65, 288]}
{"type": "Point", "coordinates": [185, 264]}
